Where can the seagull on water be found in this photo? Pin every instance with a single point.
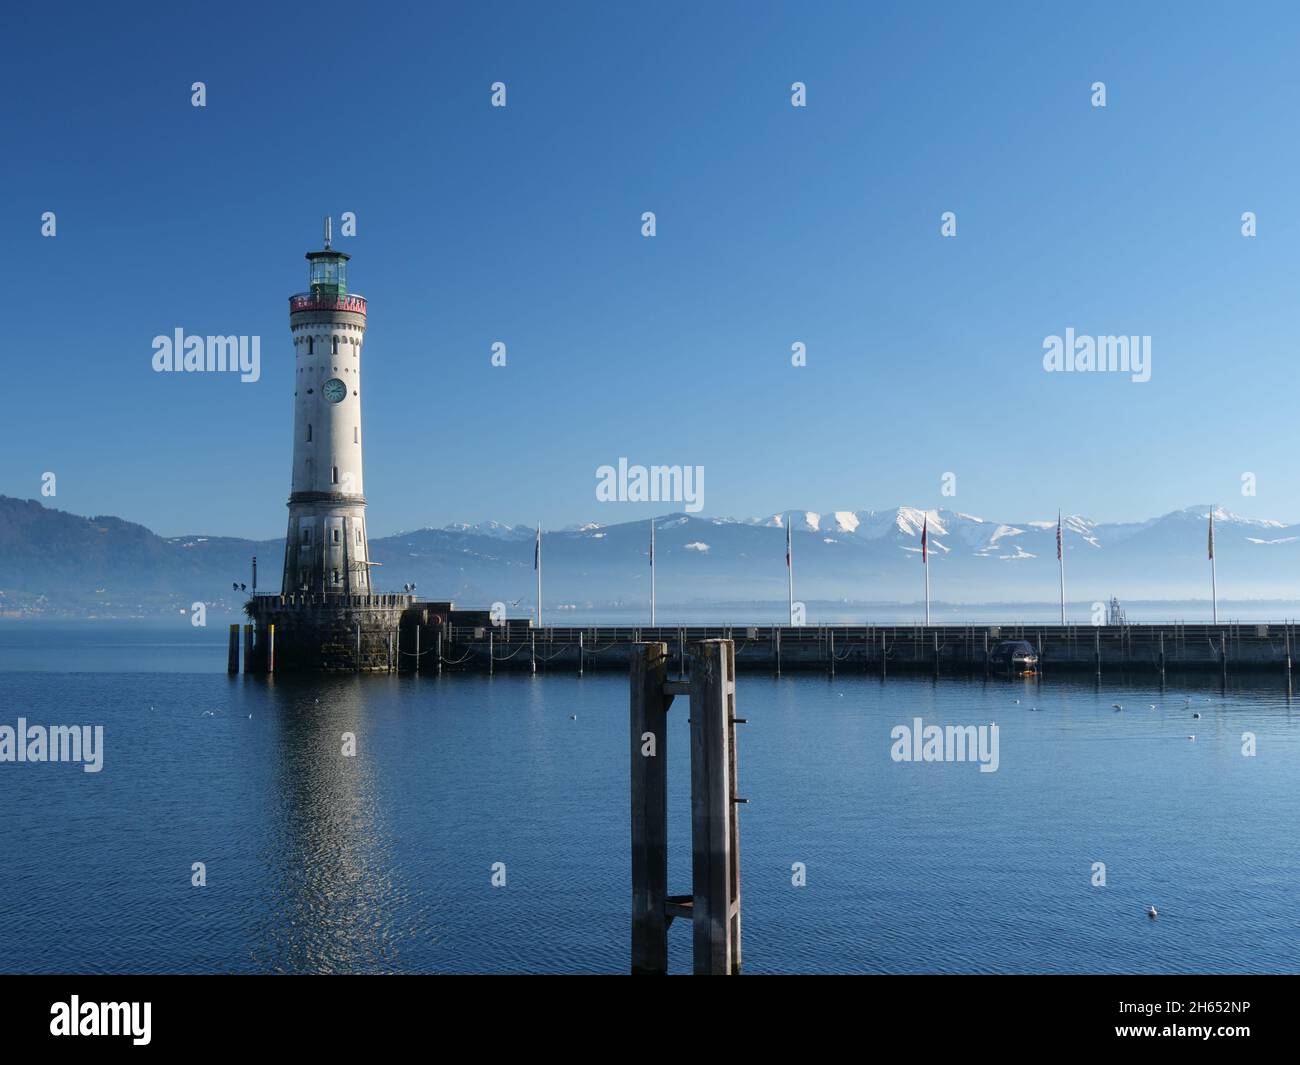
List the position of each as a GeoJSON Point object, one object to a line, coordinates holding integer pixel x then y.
{"type": "Point", "coordinates": [1152, 913]}
{"type": "Point", "coordinates": [1196, 715]}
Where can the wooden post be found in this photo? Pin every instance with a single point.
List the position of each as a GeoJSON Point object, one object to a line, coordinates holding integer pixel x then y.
{"type": "Point", "coordinates": [438, 643]}
{"type": "Point", "coordinates": [778, 652]}
{"type": "Point", "coordinates": [232, 654]}
{"type": "Point", "coordinates": [832, 655]}
{"type": "Point", "coordinates": [715, 834]}
{"type": "Point", "coordinates": [580, 653]}
{"type": "Point", "coordinates": [249, 664]}
{"type": "Point", "coordinates": [532, 650]}
{"type": "Point", "coordinates": [1162, 652]}
{"type": "Point", "coordinates": [1096, 644]}
{"type": "Point", "coordinates": [649, 726]}
{"type": "Point", "coordinates": [358, 647]}
{"type": "Point", "coordinates": [416, 668]}
{"type": "Point", "coordinates": [491, 655]}
{"type": "Point", "coordinates": [270, 648]}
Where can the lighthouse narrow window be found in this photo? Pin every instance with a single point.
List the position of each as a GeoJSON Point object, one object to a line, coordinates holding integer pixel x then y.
{"type": "Point", "coordinates": [336, 536]}
{"type": "Point", "coordinates": [311, 346]}
{"type": "Point", "coordinates": [356, 437]}
{"type": "Point", "coordinates": [336, 345]}
{"type": "Point", "coordinates": [306, 537]}
{"type": "Point", "coordinates": [334, 475]}
{"type": "Point", "coordinates": [309, 432]}
{"type": "Point", "coordinates": [358, 534]}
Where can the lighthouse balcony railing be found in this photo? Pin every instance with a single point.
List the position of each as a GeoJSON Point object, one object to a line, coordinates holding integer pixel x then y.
{"type": "Point", "coordinates": [298, 600]}
{"type": "Point", "coordinates": [313, 301]}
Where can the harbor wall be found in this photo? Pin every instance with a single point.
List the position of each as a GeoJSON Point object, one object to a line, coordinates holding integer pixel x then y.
{"type": "Point", "coordinates": [879, 649]}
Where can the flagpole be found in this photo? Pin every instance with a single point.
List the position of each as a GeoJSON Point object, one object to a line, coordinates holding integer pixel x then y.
{"type": "Point", "coordinates": [1214, 589]}
{"type": "Point", "coordinates": [925, 563]}
{"type": "Point", "coordinates": [539, 574]}
{"type": "Point", "coordinates": [652, 573]}
{"type": "Point", "coordinates": [1060, 558]}
{"type": "Point", "coordinates": [789, 564]}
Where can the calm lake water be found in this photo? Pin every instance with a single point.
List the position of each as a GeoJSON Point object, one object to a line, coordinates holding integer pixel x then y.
{"type": "Point", "coordinates": [382, 862]}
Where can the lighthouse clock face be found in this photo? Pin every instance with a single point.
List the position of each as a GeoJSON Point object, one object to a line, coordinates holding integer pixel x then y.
{"type": "Point", "coordinates": [334, 390]}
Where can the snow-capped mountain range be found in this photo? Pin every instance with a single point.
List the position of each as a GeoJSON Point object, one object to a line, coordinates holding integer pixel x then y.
{"type": "Point", "coordinates": [863, 556]}
{"type": "Point", "coordinates": [874, 555]}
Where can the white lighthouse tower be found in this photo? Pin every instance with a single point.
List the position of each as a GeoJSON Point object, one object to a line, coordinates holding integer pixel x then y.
{"type": "Point", "coordinates": [326, 552]}
{"type": "Point", "coordinates": [327, 616]}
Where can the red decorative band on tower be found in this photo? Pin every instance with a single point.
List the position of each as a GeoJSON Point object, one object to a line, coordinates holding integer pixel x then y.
{"type": "Point", "coordinates": [310, 301]}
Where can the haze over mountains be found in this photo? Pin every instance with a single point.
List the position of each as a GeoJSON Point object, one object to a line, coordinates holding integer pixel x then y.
{"type": "Point", "coordinates": [53, 562]}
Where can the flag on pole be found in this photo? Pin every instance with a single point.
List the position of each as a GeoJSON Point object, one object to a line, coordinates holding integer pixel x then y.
{"type": "Point", "coordinates": [1060, 561]}
{"type": "Point", "coordinates": [537, 565]}
{"type": "Point", "coordinates": [925, 528]}
{"type": "Point", "coordinates": [652, 571]}
{"type": "Point", "coordinates": [787, 542]}
{"type": "Point", "coordinates": [1211, 534]}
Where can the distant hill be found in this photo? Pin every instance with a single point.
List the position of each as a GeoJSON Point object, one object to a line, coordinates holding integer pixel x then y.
{"type": "Point", "coordinates": [53, 562]}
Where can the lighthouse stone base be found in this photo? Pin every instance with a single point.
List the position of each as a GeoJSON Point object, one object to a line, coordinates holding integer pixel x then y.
{"type": "Point", "coordinates": [331, 633]}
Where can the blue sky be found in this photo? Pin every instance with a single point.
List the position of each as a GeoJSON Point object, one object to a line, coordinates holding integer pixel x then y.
{"type": "Point", "coordinates": [775, 224]}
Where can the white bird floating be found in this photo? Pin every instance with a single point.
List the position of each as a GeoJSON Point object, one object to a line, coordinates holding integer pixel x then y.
{"type": "Point", "coordinates": [573, 717]}
{"type": "Point", "coordinates": [1153, 706]}
{"type": "Point", "coordinates": [1118, 708]}
{"type": "Point", "coordinates": [1196, 715]}
{"type": "Point", "coordinates": [1152, 913]}
{"type": "Point", "coordinates": [1191, 737]}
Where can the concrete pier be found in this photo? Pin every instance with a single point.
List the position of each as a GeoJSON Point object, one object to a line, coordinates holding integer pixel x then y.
{"type": "Point", "coordinates": [878, 649]}
{"type": "Point", "coordinates": [397, 633]}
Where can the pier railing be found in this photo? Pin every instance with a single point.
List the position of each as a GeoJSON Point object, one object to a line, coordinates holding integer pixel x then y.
{"type": "Point", "coordinates": [1224, 646]}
